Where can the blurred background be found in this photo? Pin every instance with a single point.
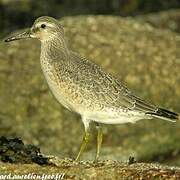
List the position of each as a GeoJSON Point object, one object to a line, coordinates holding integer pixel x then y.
{"type": "Point", "coordinates": [20, 13]}
{"type": "Point", "coordinates": [135, 40]}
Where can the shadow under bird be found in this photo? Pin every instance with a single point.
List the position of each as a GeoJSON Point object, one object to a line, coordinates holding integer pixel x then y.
{"type": "Point", "coordinates": [83, 87]}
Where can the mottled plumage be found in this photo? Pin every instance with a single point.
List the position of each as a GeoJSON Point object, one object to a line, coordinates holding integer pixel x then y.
{"type": "Point", "coordinates": [83, 87]}
{"type": "Point", "coordinates": [90, 91]}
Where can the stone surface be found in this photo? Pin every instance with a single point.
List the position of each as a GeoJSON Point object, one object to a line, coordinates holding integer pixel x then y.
{"type": "Point", "coordinates": [88, 170]}
{"type": "Point", "coordinates": [169, 19]}
{"type": "Point", "coordinates": [146, 59]}
{"type": "Point", "coordinates": [13, 150]}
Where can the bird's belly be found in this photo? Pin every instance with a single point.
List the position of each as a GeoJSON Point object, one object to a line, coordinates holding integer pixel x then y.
{"type": "Point", "coordinates": [115, 117]}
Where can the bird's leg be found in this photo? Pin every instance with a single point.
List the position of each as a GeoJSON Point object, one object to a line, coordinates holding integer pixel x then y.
{"type": "Point", "coordinates": [83, 145]}
{"type": "Point", "coordinates": [99, 140]}
{"type": "Point", "coordinates": [85, 138]}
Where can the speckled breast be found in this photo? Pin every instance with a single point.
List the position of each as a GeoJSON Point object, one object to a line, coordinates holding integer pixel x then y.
{"type": "Point", "coordinates": [57, 85]}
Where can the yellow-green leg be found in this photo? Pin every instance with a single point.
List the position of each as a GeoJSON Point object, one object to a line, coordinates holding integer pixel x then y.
{"type": "Point", "coordinates": [83, 145]}
{"type": "Point", "coordinates": [85, 138]}
{"type": "Point", "coordinates": [99, 140]}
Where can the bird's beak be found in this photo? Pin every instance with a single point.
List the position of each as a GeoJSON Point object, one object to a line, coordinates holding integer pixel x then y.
{"type": "Point", "coordinates": [22, 35]}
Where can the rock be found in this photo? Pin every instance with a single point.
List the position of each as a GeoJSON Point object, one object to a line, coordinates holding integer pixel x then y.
{"type": "Point", "coordinates": [145, 58]}
{"type": "Point", "coordinates": [14, 151]}
{"type": "Point", "coordinates": [169, 19]}
{"type": "Point", "coordinates": [89, 170]}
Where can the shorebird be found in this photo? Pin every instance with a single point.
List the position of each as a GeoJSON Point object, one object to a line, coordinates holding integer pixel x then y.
{"type": "Point", "coordinates": [85, 88]}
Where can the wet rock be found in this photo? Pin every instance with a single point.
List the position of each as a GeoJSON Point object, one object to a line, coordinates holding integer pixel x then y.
{"type": "Point", "coordinates": [15, 151]}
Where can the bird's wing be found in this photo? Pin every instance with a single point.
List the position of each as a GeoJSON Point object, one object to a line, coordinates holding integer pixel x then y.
{"type": "Point", "coordinates": [106, 89]}
{"type": "Point", "coordinates": [127, 99]}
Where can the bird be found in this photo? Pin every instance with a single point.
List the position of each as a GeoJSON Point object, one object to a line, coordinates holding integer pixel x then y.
{"type": "Point", "coordinates": [85, 88]}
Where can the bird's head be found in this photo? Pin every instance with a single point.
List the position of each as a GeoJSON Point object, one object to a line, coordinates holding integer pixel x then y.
{"type": "Point", "coordinates": [44, 28]}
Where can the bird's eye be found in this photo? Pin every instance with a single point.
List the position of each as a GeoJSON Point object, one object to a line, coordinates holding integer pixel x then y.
{"type": "Point", "coordinates": [43, 26]}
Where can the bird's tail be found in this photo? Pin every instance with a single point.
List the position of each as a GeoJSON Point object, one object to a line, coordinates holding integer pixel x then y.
{"type": "Point", "coordinates": [164, 115]}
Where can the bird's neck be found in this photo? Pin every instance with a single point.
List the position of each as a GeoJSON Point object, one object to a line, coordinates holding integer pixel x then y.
{"type": "Point", "coordinates": [54, 49]}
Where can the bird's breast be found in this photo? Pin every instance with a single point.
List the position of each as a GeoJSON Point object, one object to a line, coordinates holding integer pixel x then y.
{"type": "Point", "coordinates": [59, 86]}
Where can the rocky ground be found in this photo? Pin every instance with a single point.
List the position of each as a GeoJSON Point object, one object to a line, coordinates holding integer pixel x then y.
{"type": "Point", "coordinates": [19, 159]}
{"type": "Point", "coordinates": [145, 58]}
{"type": "Point", "coordinates": [88, 170]}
